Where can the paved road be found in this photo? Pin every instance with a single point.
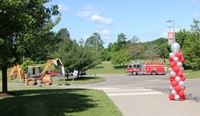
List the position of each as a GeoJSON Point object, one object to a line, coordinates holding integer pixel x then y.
{"type": "Point", "coordinates": [148, 95]}
{"type": "Point", "coordinates": [157, 82]}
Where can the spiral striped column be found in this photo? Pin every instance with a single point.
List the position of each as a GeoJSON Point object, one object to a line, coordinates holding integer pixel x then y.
{"type": "Point", "coordinates": [177, 78]}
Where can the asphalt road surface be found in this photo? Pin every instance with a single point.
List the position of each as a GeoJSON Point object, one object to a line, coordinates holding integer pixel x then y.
{"type": "Point", "coordinates": [159, 83]}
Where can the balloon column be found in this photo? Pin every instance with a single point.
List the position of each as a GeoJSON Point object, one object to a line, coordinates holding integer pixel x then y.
{"type": "Point", "coordinates": [177, 79]}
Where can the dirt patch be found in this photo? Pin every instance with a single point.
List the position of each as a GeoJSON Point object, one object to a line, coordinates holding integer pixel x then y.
{"type": "Point", "coordinates": [9, 94]}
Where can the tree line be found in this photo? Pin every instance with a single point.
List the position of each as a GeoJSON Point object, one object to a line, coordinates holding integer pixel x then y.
{"type": "Point", "coordinates": [123, 51]}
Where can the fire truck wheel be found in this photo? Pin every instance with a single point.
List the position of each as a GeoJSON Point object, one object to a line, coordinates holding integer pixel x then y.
{"type": "Point", "coordinates": [153, 72]}
{"type": "Point", "coordinates": [134, 73]}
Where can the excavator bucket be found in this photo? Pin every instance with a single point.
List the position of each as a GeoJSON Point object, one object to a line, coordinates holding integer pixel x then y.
{"type": "Point", "coordinates": [56, 62]}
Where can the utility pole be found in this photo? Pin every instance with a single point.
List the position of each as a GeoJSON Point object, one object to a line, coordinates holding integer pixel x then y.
{"type": "Point", "coordinates": [173, 29]}
{"type": "Point", "coordinates": [96, 56]}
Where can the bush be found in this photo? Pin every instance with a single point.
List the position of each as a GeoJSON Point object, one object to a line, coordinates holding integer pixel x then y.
{"type": "Point", "coordinates": [25, 64]}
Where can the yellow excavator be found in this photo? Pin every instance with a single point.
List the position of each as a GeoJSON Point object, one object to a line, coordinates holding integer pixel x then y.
{"type": "Point", "coordinates": [35, 77]}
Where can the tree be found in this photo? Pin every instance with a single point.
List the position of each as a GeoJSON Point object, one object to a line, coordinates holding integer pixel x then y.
{"type": "Point", "coordinates": [134, 47]}
{"type": "Point", "coordinates": [58, 38]}
{"type": "Point", "coordinates": [161, 47]}
{"type": "Point", "coordinates": [95, 42]}
{"type": "Point", "coordinates": [106, 55]}
{"type": "Point", "coordinates": [191, 47]}
{"type": "Point", "coordinates": [76, 56]}
{"type": "Point", "coordinates": [151, 53]}
{"type": "Point", "coordinates": [18, 19]}
{"type": "Point", "coordinates": [121, 41]}
{"type": "Point", "coordinates": [113, 47]}
{"type": "Point", "coordinates": [120, 57]}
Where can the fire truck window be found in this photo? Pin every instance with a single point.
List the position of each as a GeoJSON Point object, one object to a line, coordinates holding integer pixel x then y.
{"type": "Point", "coordinates": [135, 66]}
{"type": "Point", "coordinates": [129, 66]}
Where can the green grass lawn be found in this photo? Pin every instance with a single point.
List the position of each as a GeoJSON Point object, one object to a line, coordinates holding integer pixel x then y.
{"type": "Point", "coordinates": [54, 101]}
{"type": "Point", "coordinates": [83, 80]}
{"type": "Point", "coordinates": [191, 74]}
{"type": "Point", "coordinates": [107, 68]}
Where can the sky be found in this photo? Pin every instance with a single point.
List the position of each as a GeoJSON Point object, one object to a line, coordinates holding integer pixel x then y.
{"type": "Point", "coordinates": [146, 19]}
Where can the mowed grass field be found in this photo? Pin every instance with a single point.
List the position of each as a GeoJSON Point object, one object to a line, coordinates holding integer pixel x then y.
{"type": "Point", "coordinates": [107, 68]}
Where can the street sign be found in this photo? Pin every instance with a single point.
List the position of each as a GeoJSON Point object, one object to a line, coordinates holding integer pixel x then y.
{"type": "Point", "coordinates": [170, 38]}
{"type": "Point", "coordinates": [75, 73]}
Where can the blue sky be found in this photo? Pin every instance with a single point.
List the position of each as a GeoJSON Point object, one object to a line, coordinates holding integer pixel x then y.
{"type": "Point", "coordinates": [145, 19]}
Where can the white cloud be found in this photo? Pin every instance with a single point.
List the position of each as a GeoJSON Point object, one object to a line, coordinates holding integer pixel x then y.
{"type": "Point", "coordinates": [84, 14]}
{"type": "Point", "coordinates": [93, 13]}
{"type": "Point", "coordinates": [196, 15]}
{"type": "Point", "coordinates": [101, 20]}
{"type": "Point", "coordinates": [105, 33]}
{"type": "Point", "coordinates": [62, 7]}
{"type": "Point", "coordinates": [88, 11]}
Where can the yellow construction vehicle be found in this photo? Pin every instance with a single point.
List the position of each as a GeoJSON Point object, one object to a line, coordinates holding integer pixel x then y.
{"type": "Point", "coordinates": [34, 75]}
{"type": "Point", "coordinates": [16, 71]}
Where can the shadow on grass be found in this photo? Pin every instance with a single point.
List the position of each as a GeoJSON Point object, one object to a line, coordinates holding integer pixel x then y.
{"type": "Point", "coordinates": [54, 102]}
{"type": "Point", "coordinates": [86, 78]}
{"type": "Point", "coordinates": [120, 67]}
{"type": "Point", "coordinates": [81, 79]}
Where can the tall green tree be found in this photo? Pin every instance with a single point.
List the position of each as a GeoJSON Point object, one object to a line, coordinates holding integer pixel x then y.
{"type": "Point", "coordinates": [95, 42]}
{"type": "Point", "coordinates": [161, 47]}
{"type": "Point", "coordinates": [134, 48]}
{"type": "Point", "coordinates": [75, 56]}
{"type": "Point", "coordinates": [19, 18]}
{"type": "Point", "coordinates": [191, 48]}
{"type": "Point", "coordinates": [151, 53]}
{"type": "Point", "coordinates": [121, 41]}
{"type": "Point", "coordinates": [58, 38]}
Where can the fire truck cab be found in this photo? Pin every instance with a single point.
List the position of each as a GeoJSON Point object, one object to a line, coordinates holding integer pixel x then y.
{"type": "Point", "coordinates": [153, 68]}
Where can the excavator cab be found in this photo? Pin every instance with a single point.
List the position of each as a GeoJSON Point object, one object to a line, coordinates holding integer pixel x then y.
{"type": "Point", "coordinates": [33, 71]}
{"type": "Point", "coordinates": [33, 74]}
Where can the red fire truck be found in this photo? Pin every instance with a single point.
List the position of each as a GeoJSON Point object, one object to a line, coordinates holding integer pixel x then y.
{"type": "Point", "coordinates": [153, 68]}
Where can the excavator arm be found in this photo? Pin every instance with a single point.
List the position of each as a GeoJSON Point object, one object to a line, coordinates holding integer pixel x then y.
{"type": "Point", "coordinates": [12, 73]}
{"type": "Point", "coordinates": [56, 62]}
{"type": "Point", "coordinates": [16, 71]}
